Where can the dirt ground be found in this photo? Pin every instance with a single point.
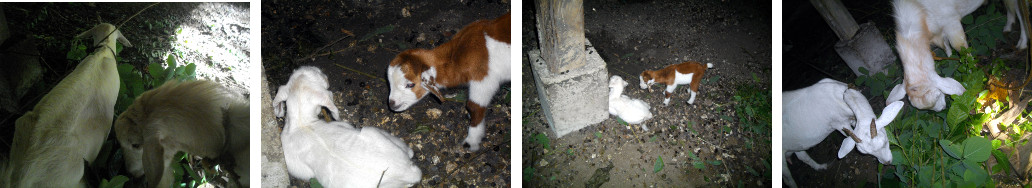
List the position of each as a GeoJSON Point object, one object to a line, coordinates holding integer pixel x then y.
{"type": "Point", "coordinates": [810, 56]}
{"type": "Point", "coordinates": [360, 39]}
{"type": "Point", "coordinates": [51, 27]}
{"type": "Point", "coordinates": [633, 36]}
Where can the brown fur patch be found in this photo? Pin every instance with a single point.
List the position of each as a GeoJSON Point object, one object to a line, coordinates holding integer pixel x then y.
{"type": "Point", "coordinates": [666, 75]}
{"type": "Point", "coordinates": [459, 61]}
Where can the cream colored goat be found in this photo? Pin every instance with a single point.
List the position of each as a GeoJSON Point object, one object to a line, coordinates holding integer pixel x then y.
{"type": "Point", "coordinates": [916, 27]}
{"type": "Point", "coordinates": [70, 123]}
{"type": "Point", "coordinates": [197, 117]}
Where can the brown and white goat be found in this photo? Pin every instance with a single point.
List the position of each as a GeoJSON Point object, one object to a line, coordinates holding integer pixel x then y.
{"type": "Point", "coordinates": [70, 123]}
{"type": "Point", "coordinates": [478, 56]}
{"type": "Point", "coordinates": [689, 72]}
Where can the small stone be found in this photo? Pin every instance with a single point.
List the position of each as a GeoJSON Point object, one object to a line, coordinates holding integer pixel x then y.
{"type": "Point", "coordinates": [542, 163]}
{"type": "Point", "coordinates": [405, 12]}
{"type": "Point", "coordinates": [434, 113]}
{"type": "Point", "coordinates": [450, 166]}
{"type": "Point", "coordinates": [406, 116]}
{"type": "Point", "coordinates": [435, 159]}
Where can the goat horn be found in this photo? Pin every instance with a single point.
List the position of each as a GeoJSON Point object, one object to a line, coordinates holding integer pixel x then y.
{"type": "Point", "coordinates": [874, 131]}
{"type": "Point", "coordinates": [851, 135]}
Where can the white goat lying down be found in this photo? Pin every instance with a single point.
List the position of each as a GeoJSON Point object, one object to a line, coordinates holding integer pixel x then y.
{"type": "Point", "coordinates": [336, 153]}
{"type": "Point", "coordinates": [198, 117]}
{"type": "Point", "coordinates": [811, 113]}
{"type": "Point", "coordinates": [69, 124]}
{"type": "Point", "coordinates": [633, 111]}
{"type": "Point", "coordinates": [926, 89]}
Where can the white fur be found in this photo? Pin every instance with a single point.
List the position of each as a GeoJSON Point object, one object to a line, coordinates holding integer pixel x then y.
{"type": "Point", "coordinates": [336, 153]}
{"type": "Point", "coordinates": [480, 92]}
{"type": "Point", "coordinates": [632, 111]}
{"type": "Point", "coordinates": [912, 43]}
{"type": "Point", "coordinates": [70, 123]}
{"type": "Point", "coordinates": [811, 113]}
{"type": "Point", "coordinates": [212, 123]}
{"type": "Point", "coordinates": [1014, 11]}
{"type": "Point", "coordinates": [942, 18]}
{"type": "Point", "coordinates": [308, 81]}
{"type": "Point", "coordinates": [400, 94]}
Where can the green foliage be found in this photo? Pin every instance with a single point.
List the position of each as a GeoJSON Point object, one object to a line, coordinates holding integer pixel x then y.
{"type": "Point", "coordinates": [541, 139]}
{"type": "Point", "coordinates": [135, 82]}
{"type": "Point", "coordinates": [659, 164]}
{"type": "Point", "coordinates": [946, 148]}
{"type": "Point", "coordinates": [315, 183]}
{"type": "Point", "coordinates": [115, 182]}
{"type": "Point", "coordinates": [984, 30]}
{"type": "Point", "coordinates": [753, 108]}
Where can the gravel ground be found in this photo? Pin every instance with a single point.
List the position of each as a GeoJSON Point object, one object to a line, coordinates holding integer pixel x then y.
{"type": "Point", "coordinates": [632, 37]}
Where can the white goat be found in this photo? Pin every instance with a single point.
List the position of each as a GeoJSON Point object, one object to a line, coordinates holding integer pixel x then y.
{"type": "Point", "coordinates": [69, 124]}
{"type": "Point", "coordinates": [633, 111]}
{"type": "Point", "coordinates": [336, 153]}
{"type": "Point", "coordinates": [1013, 10]}
{"type": "Point", "coordinates": [811, 113]}
{"type": "Point", "coordinates": [197, 117]}
{"type": "Point", "coordinates": [921, 83]}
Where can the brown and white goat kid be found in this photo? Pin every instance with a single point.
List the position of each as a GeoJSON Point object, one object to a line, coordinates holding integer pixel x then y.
{"type": "Point", "coordinates": [477, 56]}
{"type": "Point", "coordinates": [70, 123]}
{"type": "Point", "coordinates": [197, 117]}
{"type": "Point", "coordinates": [921, 83]}
{"type": "Point", "coordinates": [689, 72]}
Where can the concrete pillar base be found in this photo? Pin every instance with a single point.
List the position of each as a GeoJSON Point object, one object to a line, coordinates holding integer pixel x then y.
{"type": "Point", "coordinates": [573, 99]}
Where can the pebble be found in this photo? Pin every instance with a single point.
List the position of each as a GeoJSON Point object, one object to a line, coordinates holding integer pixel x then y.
{"type": "Point", "coordinates": [450, 166]}
{"type": "Point", "coordinates": [542, 163]}
{"type": "Point", "coordinates": [433, 113]}
{"type": "Point", "coordinates": [406, 116]}
{"type": "Point", "coordinates": [405, 12]}
{"type": "Point", "coordinates": [435, 159]}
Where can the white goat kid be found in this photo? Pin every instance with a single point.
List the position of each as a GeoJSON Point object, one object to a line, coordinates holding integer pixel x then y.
{"type": "Point", "coordinates": [811, 113]}
{"type": "Point", "coordinates": [926, 89]}
{"type": "Point", "coordinates": [632, 111]}
{"type": "Point", "coordinates": [336, 153]}
{"type": "Point", "coordinates": [69, 124]}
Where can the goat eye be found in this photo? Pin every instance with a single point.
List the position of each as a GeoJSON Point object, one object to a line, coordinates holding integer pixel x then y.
{"type": "Point", "coordinates": [136, 145]}
{"type": "Point", "coordinates": [410, 85]}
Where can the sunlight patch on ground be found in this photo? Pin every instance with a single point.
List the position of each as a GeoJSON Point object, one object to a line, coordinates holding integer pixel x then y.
{"type": "Point", "coordinates": [215, 38]}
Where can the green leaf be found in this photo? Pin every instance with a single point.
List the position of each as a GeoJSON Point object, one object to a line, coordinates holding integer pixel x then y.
{"type": "Point", "coordinates": [659, 164]}
{"type": "Point", "coordinates": [115, 182]}
{"type": "Point", "coordinates": [976, 149]}
{"type": "Point", "coordinates": [315, 183]}
{"type": "Point", "coordinates": [156, 71]}
{"type": "Point", "coordinates": [955, 115]}
{"type": "Point", "coordinates": [692, 155]}
{"type": "Point", "coordinates": [967, 19]}
{"type": "Point", "coordinates": [950, 149]}
{"type": "Point", "coordinates": [714, 162]}
{"type": "Point", "coordinates": [1003, 162]}
{"type": "Point", "coordinates": [699, 165]}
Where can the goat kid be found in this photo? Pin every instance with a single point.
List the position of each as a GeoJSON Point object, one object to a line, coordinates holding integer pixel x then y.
{"type": "Point", "coordinates": [925, 88]}
{"type": "Point", "coordinates": [198, 117]}
{"type": "Point", "coordinates": [477, 56]}
{"type": "Point", "coordinates": [70, 123]}
{"type": "Point", "coordinates": [632, 111]}
{"type": "Point", "coordinates": [811, 113]}
{"type": "Point", "coordinates": [673, 75]}
{"type": "Point", "coordinates": [336, 153]}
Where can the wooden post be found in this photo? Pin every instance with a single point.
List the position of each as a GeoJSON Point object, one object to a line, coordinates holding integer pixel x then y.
{"type": "Point", "coordinates": [837, 17]}
{"type": "Point", "coordinates": [561, 34]}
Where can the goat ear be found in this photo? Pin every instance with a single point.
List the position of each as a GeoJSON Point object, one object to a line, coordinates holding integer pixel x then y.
{"type": "Point", "coordinates": [847, 145]}
{"type": "Point", "coordinates": [327, 100]}
{"type": "Point", "coordinates": [898, 92]}
{"type": "Point", "coordinates": [889, 113]}
{"type": "Point", "coordinates": [949, 86]}
{"type": "Point", "coordinates": [278, 105]}
{"type": "Point", "coordinates": [122, 39]}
